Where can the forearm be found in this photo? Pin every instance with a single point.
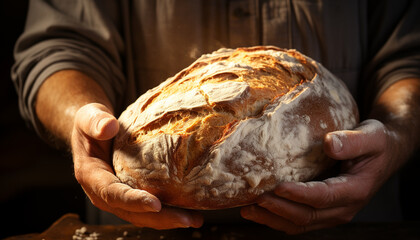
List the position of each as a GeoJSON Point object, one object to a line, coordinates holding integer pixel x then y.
{"type": "Point", "coordinates": [398, 108]}
{"type": "Point", "coordinates": [59, 98]}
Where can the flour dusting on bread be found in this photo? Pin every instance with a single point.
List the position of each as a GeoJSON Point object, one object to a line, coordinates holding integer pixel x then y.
{"type": "Point", "coordinates": [231, 126]}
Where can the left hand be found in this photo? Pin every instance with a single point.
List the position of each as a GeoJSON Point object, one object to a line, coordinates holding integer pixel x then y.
{"type": "Point", "coordinates": [367, 153]}
{"type": "Point", "coordinates": [94, 129]}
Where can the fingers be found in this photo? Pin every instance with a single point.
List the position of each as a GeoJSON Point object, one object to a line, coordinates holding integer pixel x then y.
{"type": "Point", "coordinates": [264, 216]}
{"type": "Point", "coordinates": [118, 195]}
{"type": "Point", "coordinates": [134, 200]}
{"type": "Point", "coordinates": [289, 225]}
{"type": "Point", "coordinates": [139, 207]}
{"type": "Point", "coordinates": [368, 138]}
{"type": "Point", "coordinates": [106, 191]}
{"type": "Point", "coordinates": [136, 206]}
{"type": "Point", "coordinates": [94, 127]}
{"type": "Point", "coordinates": [96, 121]}
{"type": "Point", "coordinates": [332, 192]}
{"type": "Point", "coordinates": [167, 218]}
{"type": "Point", "coordinates": [300, 207]}
{"type": "Point", "coordinates": [299, 214]}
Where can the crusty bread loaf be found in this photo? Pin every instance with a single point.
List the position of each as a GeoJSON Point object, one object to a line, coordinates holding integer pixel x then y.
{"type": "Point", "coordinates": [230, 127]}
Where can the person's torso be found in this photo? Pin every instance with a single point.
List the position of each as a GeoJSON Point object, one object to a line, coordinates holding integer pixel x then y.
{"type": "Point", "coordinates": [168, 35]}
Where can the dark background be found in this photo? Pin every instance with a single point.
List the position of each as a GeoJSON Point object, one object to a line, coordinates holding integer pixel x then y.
{"type": "Point", "coordinates": [37, 185]}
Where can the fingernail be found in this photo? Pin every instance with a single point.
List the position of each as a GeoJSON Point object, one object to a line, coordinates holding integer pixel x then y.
{"type": "Point", "coordinates": [188, 221]}
{"type": "Point", "coordinates": [151, 208]}
{"type": "Point", "coordinates": [149, 202]}
{"type": "Point", "coordinates": [182, 224]}
{"type": "Point", "coordinates": [337, 144]}
{"type": "Point", "coordinates": [263, 203]}
{"type": "Point", "coordinates": [197, 221]}
{"type": "Point", "coordinates": [263, 200]}
{"type": "Point", "coordinates": [281, 193]}
{"type": "Point", "coordinates": [101, 124]}
{"type": "Point", "coordinates": [281, 190]}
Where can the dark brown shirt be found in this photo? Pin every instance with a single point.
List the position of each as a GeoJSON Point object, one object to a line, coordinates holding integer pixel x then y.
{"type": "Point", "coordinates": [131, 46]}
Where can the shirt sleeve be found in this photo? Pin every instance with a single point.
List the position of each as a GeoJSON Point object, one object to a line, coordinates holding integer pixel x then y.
{"type": "Point", "coordinates": [58, 35]}
{"type": "Point", "coordinates": [394, 46]}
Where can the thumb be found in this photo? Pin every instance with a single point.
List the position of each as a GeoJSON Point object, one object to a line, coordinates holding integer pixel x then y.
{"type": "Point", "coordinates": [96, 121]}
{"type": "Point", "coordinates": [368, 138]}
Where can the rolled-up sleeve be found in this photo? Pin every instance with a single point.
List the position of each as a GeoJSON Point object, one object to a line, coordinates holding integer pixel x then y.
{"type": "Point", "coordinates": [58, 35]}
{"type": "Point", "coordinates": [394, 46]}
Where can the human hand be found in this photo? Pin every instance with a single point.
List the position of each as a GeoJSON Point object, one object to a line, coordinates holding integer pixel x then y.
{"type": "Point", "coordinates": [93, 131]}
{"type": "Point", "coordinates": [367, 155]}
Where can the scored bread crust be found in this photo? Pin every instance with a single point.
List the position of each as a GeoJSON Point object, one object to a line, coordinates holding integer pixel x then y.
{"type": "Point", "coordinates": [231, 126]}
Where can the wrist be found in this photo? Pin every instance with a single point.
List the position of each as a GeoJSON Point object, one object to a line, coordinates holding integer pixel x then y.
{"type": "Point", "coordinates": [397, 108]}
{"type": "Point", "coordinates": [60, 97]}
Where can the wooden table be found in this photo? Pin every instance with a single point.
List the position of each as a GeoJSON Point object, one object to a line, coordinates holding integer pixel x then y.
{"type": "Point", "coordinates": [70, 227]}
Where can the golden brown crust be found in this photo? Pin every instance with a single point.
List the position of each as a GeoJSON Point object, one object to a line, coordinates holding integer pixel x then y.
{"type": "Point", "coordinates": [172, 136]}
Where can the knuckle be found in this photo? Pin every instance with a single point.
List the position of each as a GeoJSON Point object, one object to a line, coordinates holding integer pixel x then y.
{"type": "Point", "coordinates": [312, 217]}
{"type": "Point", "coordinates": [307, 219]}
{"type": "Point", "coordinates": [325, 200]}
{"type": "Point", "coordinates": [111, 195]}
{"type": "Point", "coordinates": [103, 193]}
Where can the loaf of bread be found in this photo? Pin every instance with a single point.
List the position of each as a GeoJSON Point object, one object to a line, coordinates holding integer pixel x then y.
{"type": "Point", "coordinates": [231, 126]}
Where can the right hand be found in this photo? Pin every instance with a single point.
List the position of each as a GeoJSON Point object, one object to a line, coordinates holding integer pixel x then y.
{"type": "Point", "coordinates": [91, 141]}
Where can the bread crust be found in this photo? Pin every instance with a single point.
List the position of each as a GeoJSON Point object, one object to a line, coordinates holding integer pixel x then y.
{"type": "Point", "coordinates": [231, 126]}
